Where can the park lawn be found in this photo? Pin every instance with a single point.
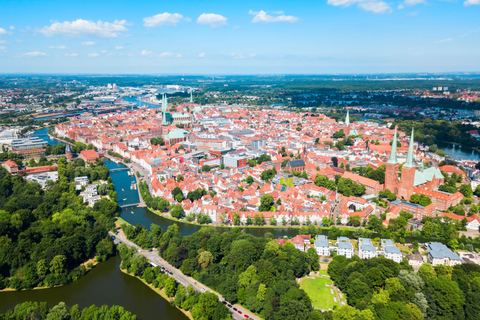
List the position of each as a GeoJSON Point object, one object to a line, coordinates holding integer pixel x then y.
{"type": "Point", "coordinates": [319, 293]}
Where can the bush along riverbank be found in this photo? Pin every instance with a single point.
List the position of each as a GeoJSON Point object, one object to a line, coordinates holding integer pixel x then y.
{"type": "Point", "coordinates": [40, 310]}
{"type": "Point", "coordinates": [194, 305]}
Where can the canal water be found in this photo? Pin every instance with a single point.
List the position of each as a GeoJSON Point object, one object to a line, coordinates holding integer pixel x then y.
{"type": "Point", "coordinates": [43, 134]}
{"type": "Point", "coordinates": [104, 284]}
{"type": "Point", "coordinates": [459, 152]}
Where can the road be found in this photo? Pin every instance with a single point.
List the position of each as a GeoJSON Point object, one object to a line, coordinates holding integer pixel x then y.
{"type": "Point", "coordinates": [153, 257]}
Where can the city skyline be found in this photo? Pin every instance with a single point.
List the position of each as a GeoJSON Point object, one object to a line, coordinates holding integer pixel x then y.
{"type": "Point", "coordinates": [325, 37]}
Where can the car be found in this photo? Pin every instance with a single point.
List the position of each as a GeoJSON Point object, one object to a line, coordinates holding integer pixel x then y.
{"type": "Point", "coordinates": [246, 316]}
{"type": "Point", "coordinates": [239, 311]}
{"type": "Point", "coordinates": [171, 273]}
{"type": "Point", "coordinates": [224, 302]}
{"type": "Point", "coordinates": [229, 305]}
{"type": "Point", "coordinates": [235, 309]}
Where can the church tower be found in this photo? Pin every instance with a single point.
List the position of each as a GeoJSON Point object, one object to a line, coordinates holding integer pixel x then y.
{"type": "Point", "coordinates": [164, 110]}
{"type": "Point", "coordinates": [392, 166]}
{"type": "Point", "coordinates": [347, 125]}
{"type": "Point", "coordinates": [408, 173]}
{"type": "Point", "coordinates": [68, 152]}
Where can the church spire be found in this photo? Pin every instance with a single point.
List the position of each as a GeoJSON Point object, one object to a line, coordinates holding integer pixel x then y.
{"type": "Point", "coordinates": [191, 96]}
{"type": "Point", "coordinates": [164, 110]}
{"type": "Point", "coordinates": [393, 151]}
{"type": "Point", "coordinates": [347, 119]}
{"type": "Point", "coordinates": [409, 162]}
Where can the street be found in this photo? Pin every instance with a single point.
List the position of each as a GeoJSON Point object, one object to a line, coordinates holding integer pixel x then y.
{"type": "Point", "coordinates": [153, 257]}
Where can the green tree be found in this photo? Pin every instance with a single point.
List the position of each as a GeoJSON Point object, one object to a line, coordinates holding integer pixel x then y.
{"type": "Point", "coordinates": [58, 265]}
{"type": "Point", "coordinates": [266, 202]}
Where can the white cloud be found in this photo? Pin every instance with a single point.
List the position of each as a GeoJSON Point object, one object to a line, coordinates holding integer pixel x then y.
{"type": "Point", "coordinates": [62, 47]}
{"type": "Point", "coordinates": [212, 19]}
{"type": "Point", "coordinates": [3, 48]}
{"type": "Point", "coordinates": [469, 3]}
{"type": "Point", "coordinates": [3, 41]}
{"type": "Point", "coordinates": [263, 17]}
{"type": "Point", "coordinates": [33, 54]}
{"type": "Point", "coordinates": [414, 2]}
{"type": "Point", "coordinates": [104, 51]}
{"type": "Point", "coordinates": [3, 31]}
{"type": "Point", "coordinates": [82, 27]}
{"type": "Point", "coordinates": [88, 43]}
{"type": "Point", "coordinates": [12, 28]}
{"type": "Point", "coordinates": [375, 6]}
{"type": "Point", "coordinates": [147, 53]}
{"type": "Point", "coordinates": [151, 54]}
{"type": "Point", "coordinates": [242, 55]}
{"type": "Point", "coordinates": [444, 40]}
{"type": "Point", "coordinates": [163, 19]}
{"type": "Point", "coordinates": [93, 55]}
{"type": "Point", "coordinates": [118, 48]}
{"type": "Point", "coordinates": [202, 55]}
{"type": "Point", "coordinates": [19, 41]}
{"type": "Point", "coordinates": [73, 54]}
{"type": "Point", "coordinates": [412, 14]}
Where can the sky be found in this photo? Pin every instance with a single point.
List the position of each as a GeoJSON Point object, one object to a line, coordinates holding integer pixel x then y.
{"type": "Point", "coordinates": [239, 37]}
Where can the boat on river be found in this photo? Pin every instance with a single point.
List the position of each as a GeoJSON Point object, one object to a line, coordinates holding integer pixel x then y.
{"type": "Point", "coordinates": [125, 199]}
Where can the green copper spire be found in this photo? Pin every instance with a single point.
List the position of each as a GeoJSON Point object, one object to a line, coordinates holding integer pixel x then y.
{"type": "Point", "coordinates": [191, 97]}
{"type": "Point", "coordinates": [164, 109]}
{"type": "Point", "coordinates": [393, 151]}
{"type": "Point", "coordinates": [409, 163]}
{"type": "Point", "coordinates": [347, 119]}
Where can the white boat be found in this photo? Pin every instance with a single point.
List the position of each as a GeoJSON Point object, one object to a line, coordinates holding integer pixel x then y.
{"type": "Point", "coordinates": [125, 199]}
{"type": "Point", "coordinates": [123, 189]}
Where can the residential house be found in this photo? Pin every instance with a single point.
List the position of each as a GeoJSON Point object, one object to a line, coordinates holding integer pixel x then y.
{"type": "Point", "coordinates": [438, 253]}
{"type": "Point", "coordinates": [366, 249]}
{"type": "Point", "coordinates": [321, 245]}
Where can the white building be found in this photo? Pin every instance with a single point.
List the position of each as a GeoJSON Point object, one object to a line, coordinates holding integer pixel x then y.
{"type": "Point", "coordinates": [344, 248]}
{"type": "Point", "coordinates": [438, 253]}
{"type": "Point", "coordinates": [321, 245]}
{"type": "Point", "coordinates": [80, 182]}
{"type": "Point", "coordinates": [366, 249]}
{"type": "Point", "coordinates": [393, 253]}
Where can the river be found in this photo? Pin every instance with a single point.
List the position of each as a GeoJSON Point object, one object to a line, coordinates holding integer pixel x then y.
{"type": "Point", "coordinates": [105, 284]}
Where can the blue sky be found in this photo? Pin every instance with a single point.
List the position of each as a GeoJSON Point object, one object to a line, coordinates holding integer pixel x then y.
{"type": "Point", "coordinates": [239, 37]}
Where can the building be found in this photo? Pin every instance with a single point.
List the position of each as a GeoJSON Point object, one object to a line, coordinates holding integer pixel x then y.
{"type": "Point", "coordinates": [415, 259]}
{"type": "Point", "coordinates": [366, 249]}
{"type": "Point", "coordinates": [234, 160]}
{"type": "Point", "coordinates": [80, 182]}
{"type": "Point", "coordinates": [89, 155]}
{"type": "Point", "coordinates": [393, 253]}
{"type": "Point", "coordinates": [410, 177]}
{"type": "Point", "coordinates": [11, 166]}
{"type": "Point", "coordinates": [321, 245]}
{"type": "Point", "coordinates": [438, 253]}
{"type": "Point", "coordinates": [295, 165]}
{"type": "Point", "coordinates": [28, 143]}
{"type": "Point", "coordinates": [344, 247]}
{"type": "Point", "coordinates": [301, 241]}
{"type": "Point", "coordinates": [42, 178]}
{"type": "Point", "coordinates": [68, 152]}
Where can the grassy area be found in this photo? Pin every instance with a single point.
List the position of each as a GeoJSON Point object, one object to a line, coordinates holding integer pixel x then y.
{"type": "Point", "coordinates": [319, 293]}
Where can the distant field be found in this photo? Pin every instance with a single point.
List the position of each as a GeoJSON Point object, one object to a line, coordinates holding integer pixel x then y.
{"type": "Point", "coordinates": [319, 293]}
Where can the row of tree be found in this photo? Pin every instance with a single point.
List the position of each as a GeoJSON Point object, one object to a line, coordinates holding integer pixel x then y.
{"type": "Point", "coordinates": [203, 306]}
{"type": "Point", "coordinates": [40, 310]}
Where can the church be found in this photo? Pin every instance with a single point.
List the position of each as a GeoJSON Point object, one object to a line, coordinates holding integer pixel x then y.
{"type": "Point", "coordinates": [410, 176]}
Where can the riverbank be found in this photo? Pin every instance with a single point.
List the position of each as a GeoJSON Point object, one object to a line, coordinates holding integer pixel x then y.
{"type": "Point", "coordinates": [160, 292]}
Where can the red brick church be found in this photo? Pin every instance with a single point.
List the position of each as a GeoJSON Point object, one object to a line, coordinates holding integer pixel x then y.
{"type": "Point", "coordinates": [410, 176]}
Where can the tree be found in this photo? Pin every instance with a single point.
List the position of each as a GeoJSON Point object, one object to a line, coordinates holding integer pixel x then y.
{"type": "Point", "coordinates": [205, 259]}
{"type": "Point", "coordinates": [339, 134]}
{"type": "Point", "coordinates": [206, 168]}
{"type": "Point", "coordinates": [58, 265]}
{"type": "Point", "coordinates": [170, 286]}
{"type": "Point", "coordinates": [236, 219]}
{"type": "Point", "coordinates": [466, 190]}
{"type": "Point", "coordinates": [273, 220]}
{"type": "Point", "coordinates": [249, 180]}
{"type": "Point", "coordinates": [266, 202]}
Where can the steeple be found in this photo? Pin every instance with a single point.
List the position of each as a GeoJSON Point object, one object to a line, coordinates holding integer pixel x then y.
{"type": "Point", "coordinates": [164, 110]}
{"type": "Point", "coordinates": [393, 151]}
{"type": "Point", "coordinates": [191, 97]}
{"type": "Point", "coordinates": [347, 119]}
{"type": "Point", "coordinates": [67, 148]}
{"type": "Point", "coordinates": [409, 162]}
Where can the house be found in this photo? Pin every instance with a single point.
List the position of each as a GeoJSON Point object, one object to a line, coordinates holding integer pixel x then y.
{"type": "Point", "coordinates": [393, 253]}
{"type": "Point", "coordinates": [295, 165]}
{"type": "Point", "coordinates": [301, 241]}
{"type": "Point", "coordinates": [366, 249]}
{"type": "Point", "coordinates": [344, 248]}
{"type": "Point", "coordinates": [415, 259]}
{"type": "Point", "coordinates": [80, 182]}
{"type": "Point", "coordinates": [438, 253]}
{"type": "Point", "coordinates": [321, 245]}
{"type": "Point", "coordinates": [11, 166]}
{"type": "Point", "coordinates": [89, 155]}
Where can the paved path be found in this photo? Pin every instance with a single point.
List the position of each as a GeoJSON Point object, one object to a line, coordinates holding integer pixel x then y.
{"type": "Point", "coordinates": [153, 257]}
